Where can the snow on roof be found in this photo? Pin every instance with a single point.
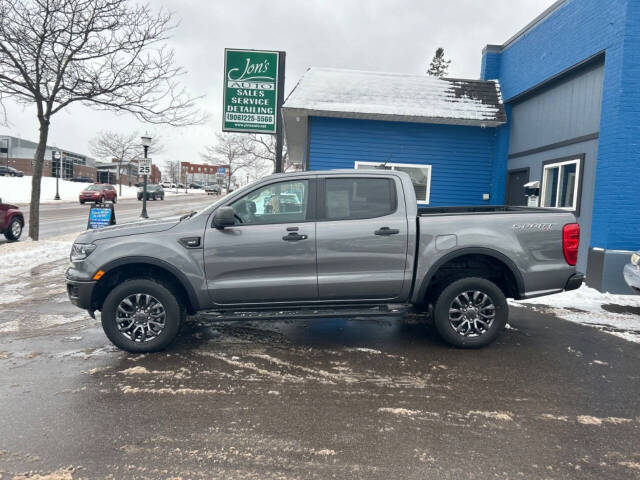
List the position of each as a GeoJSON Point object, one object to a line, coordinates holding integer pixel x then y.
{"type": "Point", "coordinates": [392, 96]}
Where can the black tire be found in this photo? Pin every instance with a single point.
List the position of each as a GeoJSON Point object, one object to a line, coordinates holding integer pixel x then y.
{"type": "Point", "coordinates": [14, 230]}
{"type": "Point", "coordinates": [473, 339]}
{"type": "Point", "coordinates": [139, 198]}
{"type": "Point", "coordinates": [81, 202]}
{"type": "Point", "coordinates": [175, 314]}
{"type": "Point", "coordinates": [162, 197]}
{"type": "Point", "coordinates": [115, 200]}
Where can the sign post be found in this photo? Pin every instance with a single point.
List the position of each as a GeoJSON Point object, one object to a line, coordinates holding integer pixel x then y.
{"type": "Point", "coordinates": [144, 169]}
{"type": "Point", "coordinates": [254, 93]}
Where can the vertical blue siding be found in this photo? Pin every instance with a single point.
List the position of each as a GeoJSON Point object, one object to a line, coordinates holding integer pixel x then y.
{"type": "Point", "coordinates": [461, 157]}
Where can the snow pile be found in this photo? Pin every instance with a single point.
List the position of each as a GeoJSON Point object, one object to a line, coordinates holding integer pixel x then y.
{"type": "Point", "coordinates": [18, 190]}
{"type": "Point", "coordinates": [338, 90]}
{"type": "Point", "coordinates": [18, 258]}
{"type": "Point", "coordinates": [615, 314]}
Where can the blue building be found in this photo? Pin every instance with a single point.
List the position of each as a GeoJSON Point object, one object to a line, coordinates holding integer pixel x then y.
{"type": "Point", "coordinates": [557, 104]}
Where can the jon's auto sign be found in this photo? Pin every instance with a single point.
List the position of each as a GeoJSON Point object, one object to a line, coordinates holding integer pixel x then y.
{"type": "Point", "coordinates": [250, 91]}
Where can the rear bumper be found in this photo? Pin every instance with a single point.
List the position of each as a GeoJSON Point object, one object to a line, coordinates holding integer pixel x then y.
{"type": "Point", "coordinates": [574, 282]}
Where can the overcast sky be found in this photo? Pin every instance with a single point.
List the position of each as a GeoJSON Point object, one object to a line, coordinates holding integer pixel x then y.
{"type": "Point", "coordinates": [378, 35]}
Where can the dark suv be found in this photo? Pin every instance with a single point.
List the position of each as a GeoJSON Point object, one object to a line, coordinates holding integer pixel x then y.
{"type": "Point", "coordinates": [11, 221]}
{"type": "Point", "coordinates": [10, 172]}
{"type": "Point", "coordinates": [154, 192]}
{"type": "Point", "coordinates": [99, 193]}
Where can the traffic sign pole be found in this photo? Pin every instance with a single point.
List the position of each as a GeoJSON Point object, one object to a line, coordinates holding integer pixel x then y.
{"type": "Point", "coordinates": [144, 187]}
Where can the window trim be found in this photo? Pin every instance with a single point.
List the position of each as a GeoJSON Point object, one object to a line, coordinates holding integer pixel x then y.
{"type": "Point", "coordinates": [311, 202]}
{"type": "Point", "coordinates": [577, 189]}
{"type": "Point", "coordinates": [414, 165]}
{"type": "Point", "coordinates": [322, 189]}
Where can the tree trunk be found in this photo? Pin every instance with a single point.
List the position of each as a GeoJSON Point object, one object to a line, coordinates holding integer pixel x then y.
{"type": "Point", "coordinates": [34, 207]}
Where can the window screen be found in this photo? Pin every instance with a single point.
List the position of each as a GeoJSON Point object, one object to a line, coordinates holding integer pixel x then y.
{"type": "Point", "coordinates": [352, 198]}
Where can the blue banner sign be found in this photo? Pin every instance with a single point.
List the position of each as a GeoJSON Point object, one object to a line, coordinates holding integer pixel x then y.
{"type": "Point", "coordinates": [101, 216]}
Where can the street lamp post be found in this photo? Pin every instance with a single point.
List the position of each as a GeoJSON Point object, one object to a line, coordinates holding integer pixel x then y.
{"type": "Point", "coordinates": [57, 157]}
{"type": "Point", "coordinates": [146, 143]}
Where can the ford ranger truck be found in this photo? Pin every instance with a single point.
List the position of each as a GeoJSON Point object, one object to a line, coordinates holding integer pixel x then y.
{"type": "Point", "coordinates": [311, 244]}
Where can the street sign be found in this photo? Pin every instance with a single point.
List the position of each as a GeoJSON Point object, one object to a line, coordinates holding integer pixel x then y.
{"type": "Point", "coordinates": [144, 166]}
{"type": "Point", "coordinates": [221, 170]}
{"type": "Point", "coordinates": [101, 216]}
{"type": "Point", "coordinates": [251, 84]}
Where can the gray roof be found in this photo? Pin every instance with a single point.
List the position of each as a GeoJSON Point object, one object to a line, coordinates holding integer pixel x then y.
{"type": "Point", "coordinates": [396, 97]}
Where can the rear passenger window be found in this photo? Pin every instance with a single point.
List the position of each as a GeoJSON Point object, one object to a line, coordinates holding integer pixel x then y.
{"type": "Point", "coordinates": [352, 198]}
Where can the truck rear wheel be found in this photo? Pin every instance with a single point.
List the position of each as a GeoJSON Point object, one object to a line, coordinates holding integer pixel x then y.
{"type": "Point", "coordinates": [141, 315]}
{"type": "Point", "coordinates": [470, 312]}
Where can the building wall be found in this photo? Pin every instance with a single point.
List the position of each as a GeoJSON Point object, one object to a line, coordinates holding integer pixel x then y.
{"type": "Point", "coordinates": [574, 33]}
{"type": "Point", "coordinates": [461, 157]}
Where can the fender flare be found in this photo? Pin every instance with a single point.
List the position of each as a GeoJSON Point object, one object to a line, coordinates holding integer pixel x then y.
{"type": "Point", "coordinates": [119, 262]}
{"type": "Point", "coordinates": [515, 271]}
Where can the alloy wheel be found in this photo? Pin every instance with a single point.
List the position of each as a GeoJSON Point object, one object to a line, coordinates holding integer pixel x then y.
{"type": "Point", "coordinates": [472, 313]}
{"type": "Point", "coordinates": [140, 317]}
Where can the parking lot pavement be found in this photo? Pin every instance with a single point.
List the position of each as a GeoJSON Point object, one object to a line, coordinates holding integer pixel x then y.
{"type": "Point", "coordinates": [311, 399]}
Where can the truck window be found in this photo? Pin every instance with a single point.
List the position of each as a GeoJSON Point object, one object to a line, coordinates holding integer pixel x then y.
{"type": "Point", "coordinates": [353, 198]}
{"type": "Point", "coordinates": [283, 202]}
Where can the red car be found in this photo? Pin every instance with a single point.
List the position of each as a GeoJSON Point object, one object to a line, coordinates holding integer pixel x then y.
{"type": "Point", "coordinates": [99, 193]}
{"type": "Point", "coordinates": [11, 221]}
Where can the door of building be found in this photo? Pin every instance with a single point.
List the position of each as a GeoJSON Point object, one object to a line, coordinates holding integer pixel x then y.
{"type": "Point", "coordinates": [515, 187]}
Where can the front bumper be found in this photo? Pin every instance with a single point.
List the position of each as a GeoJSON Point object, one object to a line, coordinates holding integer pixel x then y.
{"type": "Point", "coordinates": [632, 276]}
{"type": "Point", "coordinates": [80, 291]}
{"type": "Point", "coordinates": [575, 281]}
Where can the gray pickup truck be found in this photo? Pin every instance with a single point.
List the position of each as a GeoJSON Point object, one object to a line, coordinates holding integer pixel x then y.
{"type": "Point", "coordinates": [313, 244]}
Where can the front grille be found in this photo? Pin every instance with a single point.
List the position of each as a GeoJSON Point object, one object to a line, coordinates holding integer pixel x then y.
{"type": "Point", "coordinates": [72, 290]}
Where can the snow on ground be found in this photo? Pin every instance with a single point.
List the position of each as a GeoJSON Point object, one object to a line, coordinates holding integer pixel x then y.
{"type": "Point", "coordinates": [615, 314]}
{"type": "Point", "coordinates": [18, 258]}
{"type": "Point", "coordinates": [18, 190]}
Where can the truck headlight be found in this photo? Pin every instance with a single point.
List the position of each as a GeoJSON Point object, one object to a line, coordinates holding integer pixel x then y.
{"type": "Point", "coordinates": [635, 259]}
{"type": "Point", "coordinates": [80, 251]}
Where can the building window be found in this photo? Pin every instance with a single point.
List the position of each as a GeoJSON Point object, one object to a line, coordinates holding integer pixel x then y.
{"type": "Point", "coordinates": [420, 176]}
{"type": "Point", "coordinates": [560, 184]}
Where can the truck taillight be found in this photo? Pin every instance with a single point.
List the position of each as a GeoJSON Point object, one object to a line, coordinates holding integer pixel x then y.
{"type": "Point", "coordinates": [571, 242]}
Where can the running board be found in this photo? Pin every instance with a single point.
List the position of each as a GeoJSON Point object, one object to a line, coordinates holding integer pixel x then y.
{"type": "Point", "coordinates": [308, 312]}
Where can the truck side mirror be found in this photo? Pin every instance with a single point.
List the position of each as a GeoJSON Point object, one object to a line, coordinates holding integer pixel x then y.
{"type": "Point", "coordinates": [224, 217]}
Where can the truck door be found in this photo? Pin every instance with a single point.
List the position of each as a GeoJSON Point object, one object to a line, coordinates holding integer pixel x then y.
{"type": "Point", "coordinates": [269, 255]}
{"type": "Point", "coordinates": [362, 238]}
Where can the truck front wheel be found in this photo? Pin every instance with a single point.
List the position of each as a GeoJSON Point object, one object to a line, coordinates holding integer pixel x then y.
{"type": "Point", "coordinates": [141, 315]}
{"type": "Point", "coordinates": [470, 312]}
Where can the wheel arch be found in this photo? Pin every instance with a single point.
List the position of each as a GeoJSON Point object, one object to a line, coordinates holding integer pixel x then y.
{"type": "Point", "coordinates": [494, 255]}
{"type": "Point", "coordinates": [141, 266]}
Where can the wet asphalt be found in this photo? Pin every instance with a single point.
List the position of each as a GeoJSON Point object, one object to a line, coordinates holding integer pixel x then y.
{"type": "Point", "coordinates": [330, 398]}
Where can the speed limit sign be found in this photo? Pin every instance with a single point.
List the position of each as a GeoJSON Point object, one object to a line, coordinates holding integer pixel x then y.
{"type": "Point", "coordinates": [144, 167]}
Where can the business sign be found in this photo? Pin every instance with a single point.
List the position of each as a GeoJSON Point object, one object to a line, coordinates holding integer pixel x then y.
{"type": "Point", "coordinates": [101, 216]}
{"type": "Point", "coordinates": [250, 91]}
{"type": "Point", "coordinates": [144, 166]}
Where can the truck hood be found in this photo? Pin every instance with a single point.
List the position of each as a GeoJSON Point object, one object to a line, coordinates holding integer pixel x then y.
{"type": "Point", "coordinates": [131, 228]}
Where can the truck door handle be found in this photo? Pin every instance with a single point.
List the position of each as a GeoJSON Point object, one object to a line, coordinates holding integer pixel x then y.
{"type": "Point", "coordinates": [294, 237]}
{"type": "Point", "coordinates": [385, 231]}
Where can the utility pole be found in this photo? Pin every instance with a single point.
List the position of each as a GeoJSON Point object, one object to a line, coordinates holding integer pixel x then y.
{"type": "Point", "coordinates": [280, 101]}
{"type": "Point", "coordinates": [146, 142]}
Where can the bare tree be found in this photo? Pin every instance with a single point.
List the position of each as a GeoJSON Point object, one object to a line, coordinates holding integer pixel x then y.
{"type": "Point", "coordinates": [263, 148]}
{"type": "Point", "coordinates": [231, 150]}
{"type": "Point", "coordinates": [107, 54]}
{"type": "Point", "coordinates": [172, 170]}
{"type": "Point", "coordinates": [123, 147]}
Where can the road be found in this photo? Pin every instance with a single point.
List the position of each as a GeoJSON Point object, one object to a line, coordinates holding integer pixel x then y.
{"type": "Point", "coordinates": [334, 398]}
{"type": "Point", "coordinates": [57, 219]}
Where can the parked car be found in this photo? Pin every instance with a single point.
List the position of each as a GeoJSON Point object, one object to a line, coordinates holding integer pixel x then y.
{"type": "Point", "coordinates": [99, 193]}
{"type": "Point", "coordinates": [632, 272]}
{"type": "Point", "coordinates": [11, 221]}
{"type": "Point", "coordinates": [154, 192]}
{"type": "Point", "coordinates": [10, 172]}
{"type": "Point", "coordinates": [81, 179]}
{"type": "Point", "coordinates": [195, 186]}
{"type": "Point", "coordinates": [212, 189]}
{"type": "Point", "coordinates": [166, 184]}
{"type": "Point", "coordinates": [180, 185]}
{"type": "Point", "coordinates": [360, 247]}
